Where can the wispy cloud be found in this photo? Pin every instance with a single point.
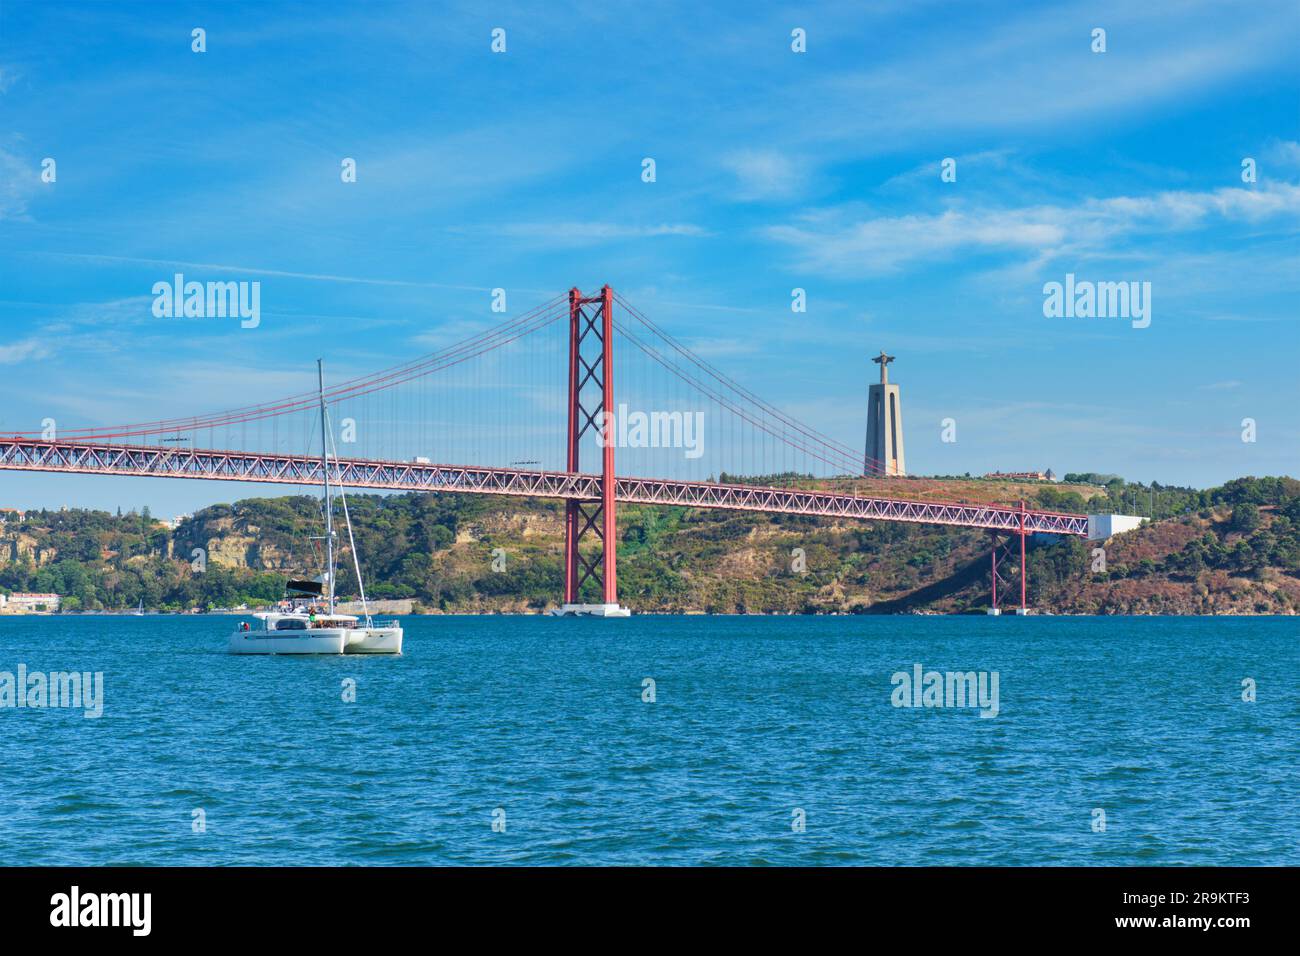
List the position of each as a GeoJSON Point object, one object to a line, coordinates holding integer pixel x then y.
{"type": "Point", "coordinates": [845, 242]}
{"type": "Point", "coordinates": [18, 184]}
{"type": "Point", "coordinates": [253, 270]}
{"type": "Point", "coordinates": [1283, 153]}
{"type": "Point", "coordinates": [583, 233]}
{"type": "Point", "coordinates": [766, 174]}
{"type": "Point", "coordinates": [25, 350]}
{"type": "Point", "coordinates": [982, 161]}
{"type": "Point", "coordinates": [1034, 69]}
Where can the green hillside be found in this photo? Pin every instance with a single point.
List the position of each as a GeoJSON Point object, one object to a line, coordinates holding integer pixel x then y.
{"type": "Point", "coordinates": [1234, 549]}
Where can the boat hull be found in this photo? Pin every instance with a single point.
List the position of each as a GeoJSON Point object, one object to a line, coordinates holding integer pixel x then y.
{"type": "Point", "coordinates": [318, 641]}
{"type": "Point", "coordinates": [374, 640]}
{"type": "Point", "coordinates": [590, 610]}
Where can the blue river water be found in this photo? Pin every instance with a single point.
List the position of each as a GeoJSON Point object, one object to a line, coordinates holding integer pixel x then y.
{"type": "Point", "coordinates": [770, 740]}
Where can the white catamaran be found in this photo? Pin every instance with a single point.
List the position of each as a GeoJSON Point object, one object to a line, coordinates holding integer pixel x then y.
{"type": "Point", "coordinates": [307, 628]}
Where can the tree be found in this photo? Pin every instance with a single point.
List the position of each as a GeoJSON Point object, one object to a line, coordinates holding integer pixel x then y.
{"type": "Point", "coordinates": [1245, 517]}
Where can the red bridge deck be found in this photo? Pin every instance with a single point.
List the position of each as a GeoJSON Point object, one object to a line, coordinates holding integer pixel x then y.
{"type": "Point", "coordinates": [22, 454]}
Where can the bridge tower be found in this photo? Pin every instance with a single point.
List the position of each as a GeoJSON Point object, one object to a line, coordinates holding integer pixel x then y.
{"type": "Point", "coordinates": [884, 454]}
{"type": "Point", "coordinates": [1004, 555]}
{"type": "Point", "coordinates": [591, 405]}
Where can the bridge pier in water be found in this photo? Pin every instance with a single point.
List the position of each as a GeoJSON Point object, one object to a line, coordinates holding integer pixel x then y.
{"type": "Point", "coordinates": [591, 323]}
{"type": "Point", "coordinates": [1004, 549]}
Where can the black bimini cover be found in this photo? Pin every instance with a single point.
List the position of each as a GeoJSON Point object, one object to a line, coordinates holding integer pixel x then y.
{"type": "Point", "coordinates": [304, 587]}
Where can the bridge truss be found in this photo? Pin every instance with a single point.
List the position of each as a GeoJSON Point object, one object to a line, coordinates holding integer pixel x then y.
{"type": "Point", "coordinates": [76, 457]}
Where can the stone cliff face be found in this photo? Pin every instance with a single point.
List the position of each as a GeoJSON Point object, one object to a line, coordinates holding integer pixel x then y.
{"type": "Point", "coordinates": [17, 547]}
{"type": "Point", "coordinates": [236, 542]}
{"type": "Point", "coordinates": [510, 524]}
{"type": "Point", "coordinates": [231, 550]}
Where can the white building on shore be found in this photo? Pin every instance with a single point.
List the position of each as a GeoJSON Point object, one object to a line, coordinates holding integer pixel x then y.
{"type": "Point", "coordinates": [22, 601]}
{"type": "Point", "coordinates": [1101, 527]}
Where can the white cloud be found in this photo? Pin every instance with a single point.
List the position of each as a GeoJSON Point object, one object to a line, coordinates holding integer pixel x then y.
{"type": "Point", "coordinates": [25, 350]}
{"type": "Point", "coordinates": [1282, 153]}
{"type": "Point", "coordinates": [581, 233]}
{"type": "Point", "coordinates": [1033, 67]}
{"type": "Point", "coordinates": [834, 241]}
{"type": "Point", "coordinates": [18, 184]}
{"type": "Point", "coordinates": [765, 174]}
{"type": "Point", "coordinates": [995, 159]}
{"type": "Point", "coordinates": [250, 270]}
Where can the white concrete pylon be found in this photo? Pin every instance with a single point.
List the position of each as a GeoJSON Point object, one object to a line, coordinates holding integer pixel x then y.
{"type": "Point", "coordinates": [884, 452]}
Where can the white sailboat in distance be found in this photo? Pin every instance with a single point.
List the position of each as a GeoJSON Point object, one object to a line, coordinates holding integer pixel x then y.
{"type": "Point", "coordinates": [308, 627]}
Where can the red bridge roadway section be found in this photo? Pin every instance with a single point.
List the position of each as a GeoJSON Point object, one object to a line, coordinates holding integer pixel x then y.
{"type": "Point", "coordinates": [24, 454]}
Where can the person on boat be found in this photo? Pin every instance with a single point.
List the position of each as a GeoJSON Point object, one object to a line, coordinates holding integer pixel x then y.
{"type": "Point", "coordinates": [243, 625]}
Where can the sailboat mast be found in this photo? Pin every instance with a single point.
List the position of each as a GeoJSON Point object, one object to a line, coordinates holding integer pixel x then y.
{"type": "Point", "coordinates": [325, 468]}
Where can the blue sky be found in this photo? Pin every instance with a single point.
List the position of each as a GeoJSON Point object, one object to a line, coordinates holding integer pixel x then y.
{"type": "Point", "coordinates": [775, 170]}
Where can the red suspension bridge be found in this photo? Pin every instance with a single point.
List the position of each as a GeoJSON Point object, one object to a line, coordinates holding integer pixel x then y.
{"type": "Point", "coordinates": [502, 396]}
